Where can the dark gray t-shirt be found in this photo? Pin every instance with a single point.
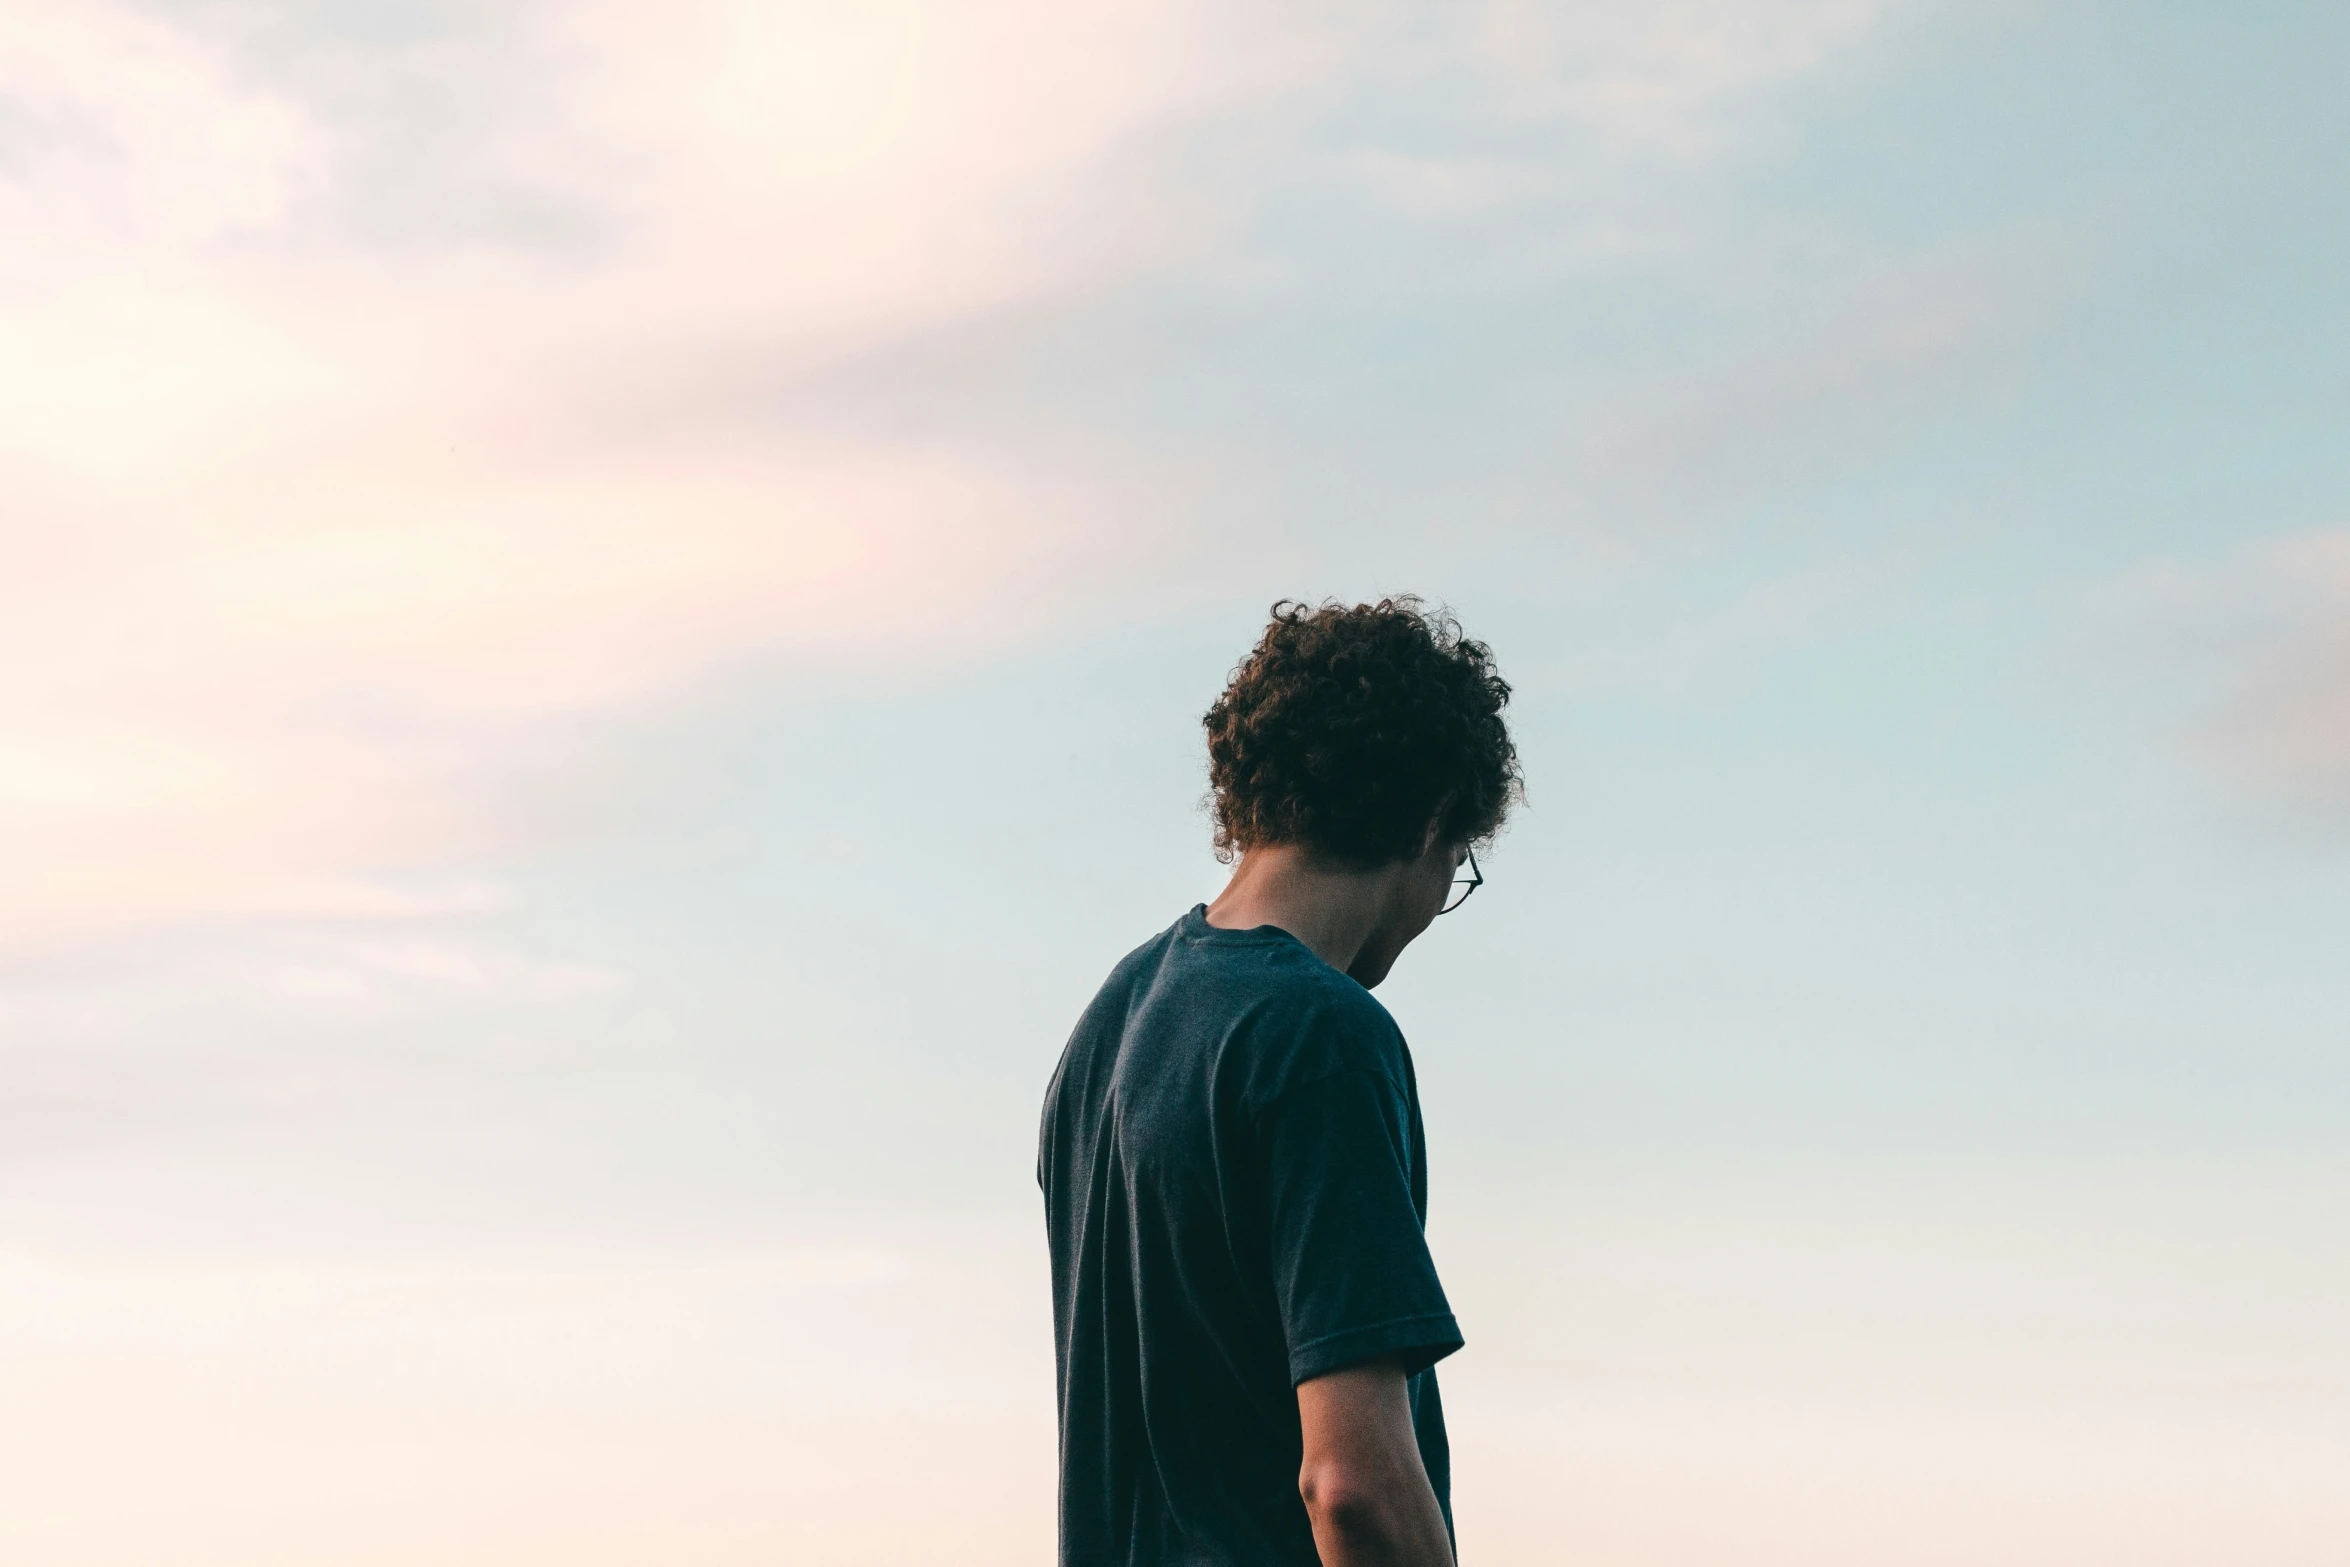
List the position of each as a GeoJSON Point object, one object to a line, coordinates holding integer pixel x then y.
{"type": "Point", "coordinates": [1235, 1182]}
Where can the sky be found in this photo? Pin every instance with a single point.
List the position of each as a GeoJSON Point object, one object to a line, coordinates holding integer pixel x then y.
{"type": "Point", "coordinates": [604, 611]}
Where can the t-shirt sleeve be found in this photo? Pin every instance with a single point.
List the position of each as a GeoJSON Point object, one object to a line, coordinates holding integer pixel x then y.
{"type": "Point", "coordinates": [1350, 1265]}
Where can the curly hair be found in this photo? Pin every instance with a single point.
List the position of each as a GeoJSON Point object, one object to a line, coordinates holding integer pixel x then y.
{"type": "Point", "coordinates": [1349, 730]}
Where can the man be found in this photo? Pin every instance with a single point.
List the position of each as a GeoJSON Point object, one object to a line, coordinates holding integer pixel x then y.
{"type": "Point", "coordinates": [1234, 1172]}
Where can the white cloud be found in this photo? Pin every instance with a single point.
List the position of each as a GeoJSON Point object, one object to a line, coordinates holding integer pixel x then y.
{"type": "Point", "coordinates": [122, 130]}
{"type": "Point", "coordinates": [2266, 636]}
{"type": "Point", "coordinates": [1839, 385]}
{"type": "Point", "coordinates": [303, 533]}
{"type": "Point", "coordinates": [1663, 77]}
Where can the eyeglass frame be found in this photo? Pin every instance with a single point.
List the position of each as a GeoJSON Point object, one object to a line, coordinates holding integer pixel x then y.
{"type": "Point", "coordinates": [1476, 880]}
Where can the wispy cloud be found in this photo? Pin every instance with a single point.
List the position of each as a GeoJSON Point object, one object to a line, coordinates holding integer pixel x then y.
{"type": "Point", "coordinates": [315, 509]}
{"type": "Point", "coordinates": [302, 528]}
{"type": "Point", "coordinates": [1663, 76]}
{"type": "Point", "coordinates": [2265, 636]}
{"type": "Point", "coordinates": [1821, 392]}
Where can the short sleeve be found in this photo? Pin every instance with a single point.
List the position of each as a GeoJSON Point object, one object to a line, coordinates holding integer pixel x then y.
{"type": "Point", "coordinates": [1350, 1265]}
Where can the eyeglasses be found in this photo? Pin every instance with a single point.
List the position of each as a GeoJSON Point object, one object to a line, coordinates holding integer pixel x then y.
{"type": "Point", "coordinates": [1462, 886]}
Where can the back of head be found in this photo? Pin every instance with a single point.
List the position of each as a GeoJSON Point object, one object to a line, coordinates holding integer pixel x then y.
{"type": "Point", "coordinates": [1348, 731]}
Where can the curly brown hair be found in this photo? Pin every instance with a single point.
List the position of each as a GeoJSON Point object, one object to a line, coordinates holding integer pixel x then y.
{"type": "Point", "coordinates": [1349, 730]}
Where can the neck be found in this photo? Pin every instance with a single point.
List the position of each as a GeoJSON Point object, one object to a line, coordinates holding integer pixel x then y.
{"type": "Point", "coordinates": [1344, 917]}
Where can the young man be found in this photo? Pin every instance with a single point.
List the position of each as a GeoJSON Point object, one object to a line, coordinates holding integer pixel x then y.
{"type": "Point", "coordinates": [1234, 1174]}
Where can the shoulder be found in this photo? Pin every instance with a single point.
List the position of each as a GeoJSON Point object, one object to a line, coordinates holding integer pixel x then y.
{"type": "Point", "coordinates": [1312, 1022]}
{"type": "Point", "coordinates": [1130, 976]}
{"type": "Point", "coordinates": [1109, 1013]}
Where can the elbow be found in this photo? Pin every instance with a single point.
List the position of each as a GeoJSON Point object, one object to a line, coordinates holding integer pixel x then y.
{"type": "Point", "coordinates": [1340, 1501]}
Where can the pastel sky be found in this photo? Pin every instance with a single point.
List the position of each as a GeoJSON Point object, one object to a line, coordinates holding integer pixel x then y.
{"type": "Point", "coordinates": [603, 616]}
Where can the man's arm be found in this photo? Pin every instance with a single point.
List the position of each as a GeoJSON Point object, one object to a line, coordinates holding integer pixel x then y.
{"type": "Point", "coordinates": [1362, 1480]}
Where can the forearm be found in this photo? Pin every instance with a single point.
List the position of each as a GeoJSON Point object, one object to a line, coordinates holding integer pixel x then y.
{"type": "Point", "coordinates": [1365, 1489]}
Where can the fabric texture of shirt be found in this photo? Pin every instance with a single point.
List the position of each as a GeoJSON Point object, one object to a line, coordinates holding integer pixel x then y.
{"type": "Point", "coordinates": [1235, 1186]}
